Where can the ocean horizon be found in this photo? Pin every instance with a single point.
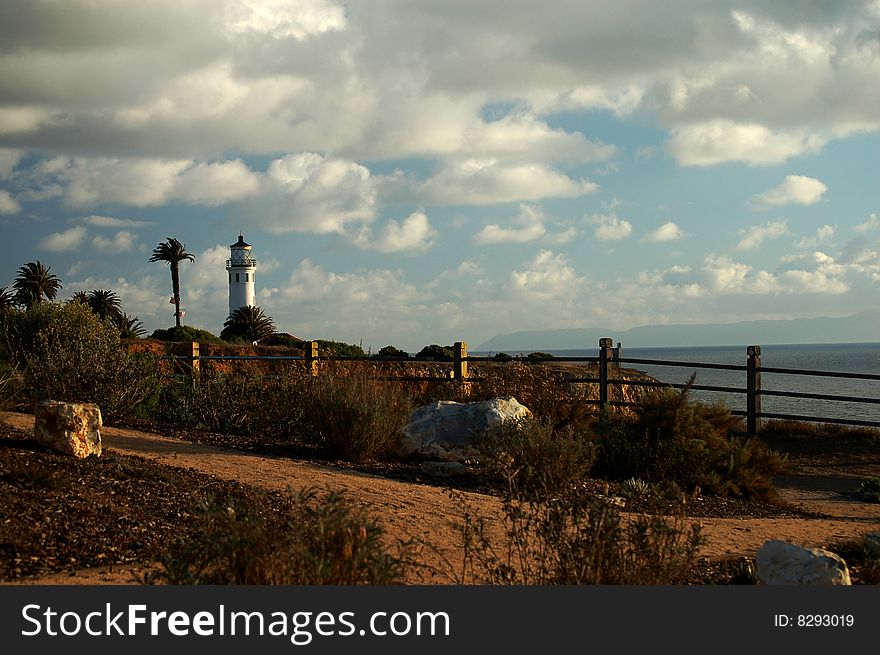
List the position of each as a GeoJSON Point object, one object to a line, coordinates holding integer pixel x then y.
{"type": "Point", "coordinates": [863, 357]}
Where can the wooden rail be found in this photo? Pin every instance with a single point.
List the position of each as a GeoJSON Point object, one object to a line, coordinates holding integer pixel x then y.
{"type": "Point", "coordinates": [608, 361]}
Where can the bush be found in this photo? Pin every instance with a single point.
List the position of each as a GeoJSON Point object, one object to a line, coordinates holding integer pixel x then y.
{"type": "Point", "coordinates": [339, 349]}
{"type": "Point", "coordinates": [240, 402]}
{"type": "Point", "coordinates": [320, 541]}
{"type": "Point", "coordinates": [537, 357]}
{"type": "Point", "coordinates": [575, 538]}
{"type": "Point", "coordinates": [65, 352]}
{"type": "Point", "coordinates": [537, 457]}
{"type": "Point", "coordinates": [671, 437]}
{"type": "Point", "coordinates": [501, 357]}
{"type": "Point", "coordinates": [185, 333]}
{"type": "Point", "coordinates": [391, 351]}
{"type": "Point", "coordinates": [437, 353]}
{"type": "Point", "coordinates": [357, 417]}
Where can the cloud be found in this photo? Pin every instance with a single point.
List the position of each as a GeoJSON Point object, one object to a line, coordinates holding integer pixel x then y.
{"type": "Point", "coordinates": [310, 192]}
{"type": "Point", "coordinates": [413, 234]}
{"type": "Point", "coordinates": [796, 189]}
{"type": "Point", "coordinates": [721, 141]}
{"type": "Point", "coordinates": [490, 181]}
{"type": "Point", "coordinates": [216, 183]}
{"type": "Point", "coordinates": [8, 204]}
{"type": "Point", "coordinates": [754, 236]}
{"type": "Point", "coordinates": [823, 234]}
{"type": "Point", "coordinates": [280, 18]}
{"type": "Point", "coordinates": [63, 241]}
{"type": "Point", "coordinates": [530, 227]}
{"type": "Point", "coordinates": [610, 227]}
{"type": "Point", "coordinates": [111, 221]}
{"type": "Point", "coordinates": [9, 158]}
{"type": "Point", "coordinates": [545, 277]}
{"type": "Point", "coordinates": [871, 224]}
{"type": "Point", "coordinates": [667, 232]}
{"type": "Point", "coordinates": [122, 241]}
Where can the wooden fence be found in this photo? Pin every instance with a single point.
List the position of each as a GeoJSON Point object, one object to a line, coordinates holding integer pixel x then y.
{"type": "Point", "coordinates": [608, 361]}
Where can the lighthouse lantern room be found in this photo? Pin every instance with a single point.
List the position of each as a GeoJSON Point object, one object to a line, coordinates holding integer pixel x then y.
{"type": "Point", "coordinates": [241, 269]}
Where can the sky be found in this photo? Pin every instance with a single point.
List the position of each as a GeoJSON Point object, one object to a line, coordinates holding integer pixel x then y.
{"type": "Point", "coordinates": [413, 172]}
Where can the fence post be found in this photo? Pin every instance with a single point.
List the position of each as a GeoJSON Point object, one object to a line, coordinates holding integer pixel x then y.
{"type": "Point", "coordinates": [753, 390]}
{"type": "Point", "coordinates": [604, 357]}
{"type": "Point", "coordinates": [312, 357]}
{"type": "Point", "coordinates": [194, 361]}
{"type": "Point", "coordinates": [459, 361]}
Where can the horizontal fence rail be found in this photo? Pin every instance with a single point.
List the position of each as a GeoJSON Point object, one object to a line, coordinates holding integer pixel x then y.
{"type": "Point", "coordinates": [608, 360]}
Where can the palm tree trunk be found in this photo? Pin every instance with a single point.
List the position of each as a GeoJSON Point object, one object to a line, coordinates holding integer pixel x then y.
{"type": "Point", "coordinates": [175, 287]}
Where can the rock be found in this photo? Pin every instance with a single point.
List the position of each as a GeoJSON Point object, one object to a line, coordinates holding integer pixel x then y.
{"type": "Point", "coordinates": [443, 469]}
{"type": "Point", "coordinates": [68, 428]}
{"type": "Point", "coordinates": [445, 430]}
{"type": "Point", "coordinates": [782, 563]}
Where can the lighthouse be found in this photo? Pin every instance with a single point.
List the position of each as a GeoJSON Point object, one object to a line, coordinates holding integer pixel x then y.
{"type": "Point", "coordinates": [241, 269]}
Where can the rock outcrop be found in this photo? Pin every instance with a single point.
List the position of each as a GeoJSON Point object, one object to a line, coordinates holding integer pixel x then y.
{"type": "Point", "coordinates": [68, 428]}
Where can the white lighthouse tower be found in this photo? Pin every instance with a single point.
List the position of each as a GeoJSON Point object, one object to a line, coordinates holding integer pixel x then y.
{"type": "Point", "coordinates": [241, 275]}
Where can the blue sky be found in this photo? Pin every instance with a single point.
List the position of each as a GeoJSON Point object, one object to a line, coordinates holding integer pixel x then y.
{"type": "Point", "coordinates": [421, 172]}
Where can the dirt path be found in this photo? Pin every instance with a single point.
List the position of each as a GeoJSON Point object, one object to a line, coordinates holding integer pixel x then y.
{"type": "Point", "coordinates": [412, 510]}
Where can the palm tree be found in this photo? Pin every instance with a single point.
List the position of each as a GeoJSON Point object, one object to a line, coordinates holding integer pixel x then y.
{"type": "Point", "coordinates": [248, 323]}
{"type": "Point", "coordinates": [130, 327]}
{"type": "Point", "coordinates": [79, 296]}
{"type": "Point", "coordinates": [34, 281]}
{"type": "Point", "coordinates": [173, 252]}
{"type": "Point", "coordinates": [6, 301]}
{"type": "Point", "coordinates": [105, 304]}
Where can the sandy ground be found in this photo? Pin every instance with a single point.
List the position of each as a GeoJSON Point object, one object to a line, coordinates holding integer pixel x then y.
{"type": "Point", "coordinates": [409, 510]}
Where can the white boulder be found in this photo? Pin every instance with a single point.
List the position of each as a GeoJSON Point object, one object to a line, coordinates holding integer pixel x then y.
{"type": "Point", "coordinates": [68, 428]}
{"type": "Point", "coordinates": [782, 563]}
{"type": "Point", "coordinates": [445, 430]}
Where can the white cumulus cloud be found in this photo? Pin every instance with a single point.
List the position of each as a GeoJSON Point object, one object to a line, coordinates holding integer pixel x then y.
{"type": "Point", "coordinates": [63, 241]}
{"type": "Point", "coordinates": [529, 226]}
{"type": "Point", "coordinates": [794, 190]}
{"type": "Point", "coordinates": [610, 227]}
{"type": "Point", "coordinates": [667, 232]}
{"type": "Point", "coordinates": [8, 204]}
{"type": "Point", "coordinates": [754, 236]}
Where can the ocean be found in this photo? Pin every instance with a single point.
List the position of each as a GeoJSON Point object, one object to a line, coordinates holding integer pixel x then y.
{"type": "Point", "coordinates": [847, 358]}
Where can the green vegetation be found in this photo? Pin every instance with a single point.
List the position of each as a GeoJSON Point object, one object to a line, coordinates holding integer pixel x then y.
{"type": "Point", "coordinates": [34, 283]}
{"type": "Point", "coordinates": [185, 333]}
{"type": "Point", "coordinates": [436, 352]}
{"type": "Point", "coordinates": [319, 541]}
{"type": "Point", "coordinates": [535, 457]}
{"type": "Point", "coordinates": [173, 252]}
{"type": "Point", "coordinates": [65, 352]}
{"type": "Point", "coordinates": [555, 537]}
{"type": "Point", "coordinates": [339, 349]}
{"type": "Point", "coordinates": [538, 356]}
{"type": "Point", "coordinates": [391, 351]}
{"type": "Point", "coordinates": [356, 416]}
{"type": "Point", "coordinates": [248, 324]}
{"type": "Point", "coordinates": [671, 437]}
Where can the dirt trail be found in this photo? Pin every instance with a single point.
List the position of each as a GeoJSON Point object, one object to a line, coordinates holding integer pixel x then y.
{"type": "Point", "coordinates": [409, 510]}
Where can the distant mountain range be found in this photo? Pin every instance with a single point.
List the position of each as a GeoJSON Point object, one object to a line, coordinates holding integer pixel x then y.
{"type": "Point", "coordinates": [861, 327]}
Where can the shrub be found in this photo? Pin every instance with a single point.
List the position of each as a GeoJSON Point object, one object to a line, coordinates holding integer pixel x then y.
{"type": "Point", "coordinates": [391, 351]}
{"type": "Point", "coordinates": [239, 402]}
{"type": "Point", "coordinates": [185, 333]}
{"type": "Point", "coordinates": [339, 349]}
{"type": "Point", "coordinates": [320, 541]}
{"type": "Point", "coordinates": [575, 538]}
{"type": "Point", "coordinates": [356, 416]}
{"type": "Point", "coordinates": [436, 352]}
{"type": "Point", "coordinates": [65, 352]}
{"type": "Point", "coordinates": [501, 357]}
{"type": "Point", "coordinates": [535, 456]}
{"type": "Point", "coordinates": [671, 437]}
{"type": "Point", "coordinates": [538, 356]}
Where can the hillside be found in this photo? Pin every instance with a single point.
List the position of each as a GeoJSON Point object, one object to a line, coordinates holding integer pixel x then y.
{"type": "Point", "coordinates": [861, 327]}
